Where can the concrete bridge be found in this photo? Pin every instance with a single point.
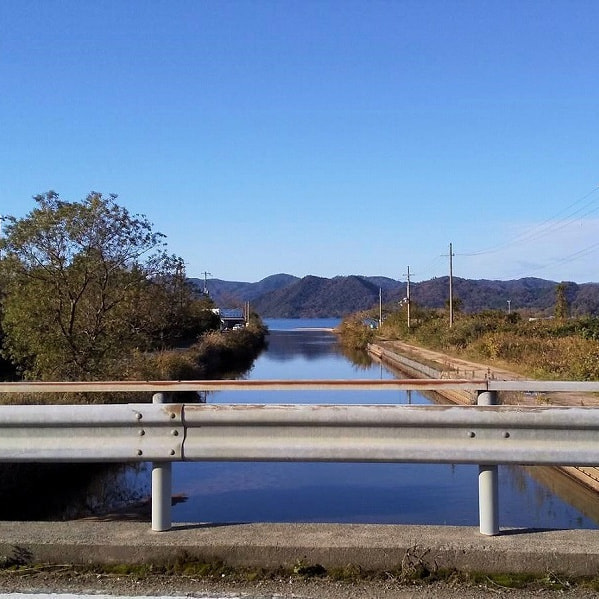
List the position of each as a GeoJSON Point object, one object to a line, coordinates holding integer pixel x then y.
{"type": "Point", "coordinates": [163, 432]}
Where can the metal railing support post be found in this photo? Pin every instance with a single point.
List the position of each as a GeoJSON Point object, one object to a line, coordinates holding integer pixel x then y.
{"type": "Point", "coordinates": [161, 487]}
{"type": "Point", "coordinates": [488, 482]}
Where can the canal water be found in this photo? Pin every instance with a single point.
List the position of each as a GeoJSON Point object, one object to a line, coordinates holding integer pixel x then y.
{"type": "Point", "coordinates": [359, 493]}
{"type": "Point", "coordinates": [303, 492]}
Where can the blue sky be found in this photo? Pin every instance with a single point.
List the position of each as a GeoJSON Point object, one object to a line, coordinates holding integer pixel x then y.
{"type": "Point", "coordinates": [317, 137]}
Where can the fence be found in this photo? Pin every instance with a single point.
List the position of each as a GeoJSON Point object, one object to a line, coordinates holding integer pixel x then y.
{"type": "Point", "coordinates": [485, 434]}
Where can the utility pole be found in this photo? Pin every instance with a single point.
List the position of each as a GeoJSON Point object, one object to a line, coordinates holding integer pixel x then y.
{"type": "Point", "coordinates": [509, 306]}
{"type": "Point", "coordinates": [180, 282]}
{"type": "Point", "coordinates": [2, 219]}
{"type": "Point", "coordinates": [206, 281]}
{"type": "Point", "coordinates": [380, 308]}
{"type": "Point", "coordinates": [450, 285]}
{"type": "Point", "coordinates": [408, 295]}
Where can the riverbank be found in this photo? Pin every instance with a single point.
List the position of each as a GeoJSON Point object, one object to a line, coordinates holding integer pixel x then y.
{"type": "Point", "coordinates": [215, 355]}
{"type": "Point", "coordinates": [420, 362]}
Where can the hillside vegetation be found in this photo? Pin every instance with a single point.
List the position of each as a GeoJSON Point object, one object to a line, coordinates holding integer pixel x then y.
{"type": "Point", "coordinates": [559, 349]}
{"type": "Point", "coordinates": [286, 296]}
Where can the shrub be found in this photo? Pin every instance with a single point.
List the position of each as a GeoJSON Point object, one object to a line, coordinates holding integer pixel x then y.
{"type": "Point", "coordinates": [355, 333]}
{"type": "Point", "coordinates": [555, 349]}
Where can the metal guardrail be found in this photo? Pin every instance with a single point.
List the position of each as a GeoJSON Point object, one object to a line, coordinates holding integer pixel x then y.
{"type": "Point", "coordinates": [353, 433]}
{"type": "Point", "coordinates": [387, 433]}
{"type": "Point", "coordinates": [91, 433]}
{"type": "Point", "coordinates": [486, 434]}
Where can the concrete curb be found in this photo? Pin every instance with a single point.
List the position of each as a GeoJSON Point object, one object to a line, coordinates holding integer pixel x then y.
{"type": "Point", "coordinates": [372, 547]}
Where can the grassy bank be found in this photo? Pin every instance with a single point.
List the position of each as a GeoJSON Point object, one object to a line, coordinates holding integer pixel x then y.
{"type": "Point", "coordinates": [215, 355]}
{"type": "Point", "coordinates": [558, 349]}
{"type": "Point", "coordinates": [87, 487]}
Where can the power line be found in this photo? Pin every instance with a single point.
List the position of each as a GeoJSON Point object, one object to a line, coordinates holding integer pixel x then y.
{"type": "Point", "coordinates": [434, 263]}
{"type": "Point", "coordinates": [570, 214]}
{"type": "Point", "coordinates": [547, 227]}
{"type": "Point", "coordinates": [569, 258]}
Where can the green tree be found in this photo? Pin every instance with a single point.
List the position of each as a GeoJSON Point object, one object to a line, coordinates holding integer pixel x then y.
{"type": "Point", "coordinates": [175, 312]}
{"type": "Point", "coordinates": [562, 309]}
{"type": "Point", "coordinates": [81, 282]}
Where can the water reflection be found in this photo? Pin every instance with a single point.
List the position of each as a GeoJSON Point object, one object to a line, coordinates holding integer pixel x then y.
{"type": "Point", "coordinates": [289, 345]}
{"type": "Point", "coordinates": [558, 483]}
{"type": "Point", "coordinates": [359, 358]}
{"type": "Point", "coordinates": [64, 491]}
{"type": "Point", "coordinates": [384, 493]}
{"type": "Point", "coordinates": [322, 492]}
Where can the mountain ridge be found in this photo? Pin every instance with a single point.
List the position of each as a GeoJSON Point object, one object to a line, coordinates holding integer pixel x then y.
{"type": "Point", "coordinates": [287, 296]}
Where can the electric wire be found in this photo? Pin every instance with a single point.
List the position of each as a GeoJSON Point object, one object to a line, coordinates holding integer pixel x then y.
{"type": "Point", "coordinates": [433, 265]}
{"type": "Point", "coordinates": [549, 226]}
{"type": "Point", "coordinates": [569, 258]}
{"type": "Point", "coordinates": [570, 214]}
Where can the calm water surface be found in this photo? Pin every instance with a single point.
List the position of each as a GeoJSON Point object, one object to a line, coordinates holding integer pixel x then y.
{"type": "Point", "coordinates": [359, 493]}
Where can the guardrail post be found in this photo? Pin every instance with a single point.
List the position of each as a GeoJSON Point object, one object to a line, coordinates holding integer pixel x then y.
{"type": "Point", "coordinates": [161, 487]}
{"type": "Point", "coordinates": [488, 482]}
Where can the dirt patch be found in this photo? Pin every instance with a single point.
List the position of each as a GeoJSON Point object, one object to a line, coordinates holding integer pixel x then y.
{"type": "Point", "coordinates": [66, 580]}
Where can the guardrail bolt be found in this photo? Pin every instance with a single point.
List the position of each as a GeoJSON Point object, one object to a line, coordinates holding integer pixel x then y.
{"type": "Point", "coordinates": [472, 434]}
{"type": "Point", "coordinates": [175, 432]}
{"type": "Point", "coordinates": [138, 416]}
{"type": "Point", "coordinates": [173, 452]}
{"type": "Point", "coordinates": [140, 452]}
{"type": "Point", "coordinates": [173, 415]}
{"type": "Point", "coordinates": [506, 435]}
{"type": "Point", "coordinates": [141, 432]}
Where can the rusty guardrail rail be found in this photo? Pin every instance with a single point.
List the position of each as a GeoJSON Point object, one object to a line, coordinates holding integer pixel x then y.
{"type": "Point", "coordinates": [162, 432]}
{"type": "Point", "coordinates": [305, 385]}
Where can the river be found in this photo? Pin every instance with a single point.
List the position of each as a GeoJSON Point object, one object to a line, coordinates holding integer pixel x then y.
{"type": "Point", "coordinates": [359, 493]}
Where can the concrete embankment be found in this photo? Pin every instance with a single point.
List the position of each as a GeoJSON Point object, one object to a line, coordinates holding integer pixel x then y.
{"type": "Point", "coordinates": [412, 367]}
{"type": "Point", "coordinates": [372, 547]}
{"type": "Point", "coordinates": [419, 362]}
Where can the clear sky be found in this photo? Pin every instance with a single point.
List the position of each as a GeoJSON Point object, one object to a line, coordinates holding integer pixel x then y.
{"type": "Point", "coordinates": [317, 136]}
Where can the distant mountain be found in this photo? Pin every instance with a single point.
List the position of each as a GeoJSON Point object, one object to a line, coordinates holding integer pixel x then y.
{"type": "Point", "coordinates": [523, 294]}
{"type": "Point", "coordinates": [226, 293]}
{"type": "Point", "coordinates": [312, 297]}
{"type": "Point", "coordinates": [483, 294]}
{"type": "Point", "coordinates": [286, 296]}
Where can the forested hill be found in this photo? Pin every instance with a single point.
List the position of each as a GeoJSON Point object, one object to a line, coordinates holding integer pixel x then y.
{"type": "Point", "coordinates": [286, 296]}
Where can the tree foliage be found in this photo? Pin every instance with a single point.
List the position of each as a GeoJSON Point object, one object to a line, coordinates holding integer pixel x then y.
{"type": "Point", "coordinates": [82, 284]}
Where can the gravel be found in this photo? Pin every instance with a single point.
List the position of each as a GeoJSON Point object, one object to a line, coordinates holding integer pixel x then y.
{"type": "Point", "coordinates": [66, 580]}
